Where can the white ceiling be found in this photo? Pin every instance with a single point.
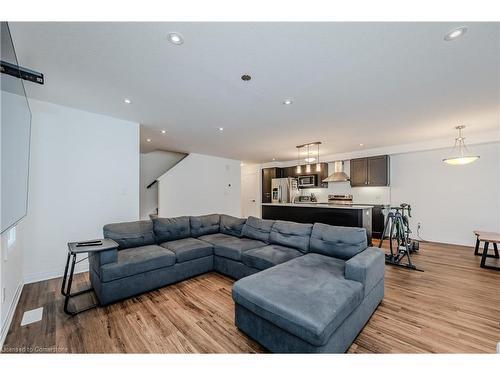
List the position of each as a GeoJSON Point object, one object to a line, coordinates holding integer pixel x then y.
{"type": "Point", "coordinates": [379, 84]}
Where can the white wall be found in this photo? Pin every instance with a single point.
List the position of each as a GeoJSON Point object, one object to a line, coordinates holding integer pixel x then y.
{"type": "Point", "coordinates": [84, 173]}
{"type": "Point", "coordinates": [449, 201]}
{"type": "Point", "coordinates": [153, 165]}
{"type": "Point", "coordinates": [201, 184]}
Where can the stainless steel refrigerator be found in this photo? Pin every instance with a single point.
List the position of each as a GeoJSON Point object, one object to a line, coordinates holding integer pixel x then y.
{"type": "Point", "coordinates": [284, 190]}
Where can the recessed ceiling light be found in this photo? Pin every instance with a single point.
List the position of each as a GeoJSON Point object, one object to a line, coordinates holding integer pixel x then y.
{"type": "Point", "coordinates": [221, 129]}
{"type": "Point", "coordinates": [175, 38]}
{"type": "Point", "coordinates": [361, 144]}
{"type": "Point", "coordinates": [163, 132]}
{"type": "Point", "coordinates": [242, 164]}
{"type": "Point", "coordinates": [148, 139]}
{"type": "Point", "coordinates": [127, 100]}
{"type": "Point", "coordinates": [455, 33]}
{"type": "Point", "coordinates": [287, 102]}
{"type": "Point", "coordinates": [274, 159]}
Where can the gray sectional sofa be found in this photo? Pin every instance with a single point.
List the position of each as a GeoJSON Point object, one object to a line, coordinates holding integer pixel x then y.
{"type": "Point", "coordinates": [301, 287]}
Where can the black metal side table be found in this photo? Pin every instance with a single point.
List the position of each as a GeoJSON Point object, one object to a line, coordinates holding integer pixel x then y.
{"type": "Point", "coordinates": [75, 248]}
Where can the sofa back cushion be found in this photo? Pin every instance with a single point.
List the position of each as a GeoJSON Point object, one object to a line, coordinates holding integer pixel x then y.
{"type": "Point", "coordinates": [206, 224]}
{"type": "Point", "coordinates": [258, 229]}
{"type": "Point", "coordinates": [171, 228]}
{"type": "Point", "coordinates": [131, 234]}
{"type": "Point", "coordinates": [231, 225]}
{"type": "Point", "coordinates": [291, 234]}
{"type": "Point", "coordinates": [337, 242]}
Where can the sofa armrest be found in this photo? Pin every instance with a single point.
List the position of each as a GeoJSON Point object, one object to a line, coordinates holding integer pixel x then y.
{"type": "Point", "coordinates": [366, 267]}
{"type": "Point", "coordinates": [100, 258]}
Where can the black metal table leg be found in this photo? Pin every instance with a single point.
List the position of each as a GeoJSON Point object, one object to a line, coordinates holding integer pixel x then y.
{"type": "Point", "coordinates": [476, 250]}
{"type": "Point", "coordinates": [65, 276]}
{"type": "Point", "coordinates": [67, 292]}
{"type": "Point", "coordinates": [485, 255]}
{"type": "Point", "coordinates": [495, 248]}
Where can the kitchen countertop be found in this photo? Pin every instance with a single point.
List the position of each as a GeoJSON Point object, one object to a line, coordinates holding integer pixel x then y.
{"type": "Point", "coordinates": [320, 205]}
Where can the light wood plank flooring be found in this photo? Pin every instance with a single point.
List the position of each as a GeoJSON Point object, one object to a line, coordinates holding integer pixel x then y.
{"type": "Point", "coordinates": [452, 307]}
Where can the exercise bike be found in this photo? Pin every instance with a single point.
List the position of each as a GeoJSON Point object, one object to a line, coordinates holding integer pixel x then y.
{"type": "Point", "coordinates": [397, 224]}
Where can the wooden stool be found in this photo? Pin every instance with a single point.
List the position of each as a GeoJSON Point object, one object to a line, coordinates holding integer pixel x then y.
{"type": "Point", "coordinates": [487, 237]}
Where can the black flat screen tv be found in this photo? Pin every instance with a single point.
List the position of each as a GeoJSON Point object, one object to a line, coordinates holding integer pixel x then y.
{"type": "Point", "coordinates": [15, 139]}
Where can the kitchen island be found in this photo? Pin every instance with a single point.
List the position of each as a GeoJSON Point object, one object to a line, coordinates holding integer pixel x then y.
{"type": "Point", "coordinates": [333, 214]}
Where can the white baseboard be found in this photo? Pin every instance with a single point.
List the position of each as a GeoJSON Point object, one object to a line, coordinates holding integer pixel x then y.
{"type": "Point", "coordinates": [52, 274]}
{"type": "Point", "coordinates": [10, 315]}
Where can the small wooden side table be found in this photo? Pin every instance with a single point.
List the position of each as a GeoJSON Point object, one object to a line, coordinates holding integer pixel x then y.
{"type": "Point", "coordinates": [487, 237]}
{"type": "Point", "coordinates": [75, 248]}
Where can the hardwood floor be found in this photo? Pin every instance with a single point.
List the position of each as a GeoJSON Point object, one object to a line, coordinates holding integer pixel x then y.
{"type": "Point", "coordinates": [452, 307]}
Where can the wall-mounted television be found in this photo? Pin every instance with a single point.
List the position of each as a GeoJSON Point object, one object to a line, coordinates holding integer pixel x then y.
{"type": "Point", "coordinates": [15, 139]}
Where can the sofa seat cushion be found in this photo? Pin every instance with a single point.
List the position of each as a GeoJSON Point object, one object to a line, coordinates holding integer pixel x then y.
{"type": "Point", "coordinates": [291, 234]}
{"type": "Point", "coordinates": [307, 296]}
{"type": "Point", "coordinates": [268, 256]}
{"type": "Point", "coordinates": [216, 238]}
{"type": "Point", "coordinates": [234, 248]}
{"type": "Point", "coordinates": [137, 260]}
{"type": "Point", "coordinates": [189, 248]}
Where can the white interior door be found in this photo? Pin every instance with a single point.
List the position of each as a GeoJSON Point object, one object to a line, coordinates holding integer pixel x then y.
{"type": "Point", "coordinates": [249, 194]}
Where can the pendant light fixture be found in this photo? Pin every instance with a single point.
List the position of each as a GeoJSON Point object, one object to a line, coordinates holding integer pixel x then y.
{"type": "Point", "coordinates": [299, 169]}
{"type": "Point", "coordinates": [308, 165]}
{"type": "Point", "coordinates": [309, 159]}
{"type": "Point", "coordinates": [460, 155]}
{"type": "Point", "coordinates": [318, 164]}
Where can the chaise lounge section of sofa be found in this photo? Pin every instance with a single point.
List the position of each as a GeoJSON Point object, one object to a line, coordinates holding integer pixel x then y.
{"type": "Point", "coordinates": [300, 288]}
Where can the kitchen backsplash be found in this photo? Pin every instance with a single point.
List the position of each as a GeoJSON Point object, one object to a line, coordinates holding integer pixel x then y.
{"type": "Point", "coordinates": [366, 195]}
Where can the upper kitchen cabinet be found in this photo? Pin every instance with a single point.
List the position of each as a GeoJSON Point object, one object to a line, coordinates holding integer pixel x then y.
{"type": "Point", "coordinates": [373, 171]}
{"type": "Point", "coordinates": [359, 172]}
{"type": "Point", "coordinates": [290, 172]}
{"type": "Point", "coordinates": [267, 175]}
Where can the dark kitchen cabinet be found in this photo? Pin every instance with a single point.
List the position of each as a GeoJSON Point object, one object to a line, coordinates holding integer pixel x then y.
{"type": "Point", "coordinates": [378, 171]}
{"type": "Point", "coordinates": [290, 171]}
{"type": "Point", "coordinates": [378, 221]}
{"type": "Point", "coordinates": [359, 172]}
{"type": "Point", "coordinates": [267, 175]}
{"type": "Point", "coordinates": [372, 171]}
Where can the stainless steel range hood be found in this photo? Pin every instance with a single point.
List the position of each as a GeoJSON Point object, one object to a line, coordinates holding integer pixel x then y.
{"type": "Point", "coordinates": [338, 174]}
